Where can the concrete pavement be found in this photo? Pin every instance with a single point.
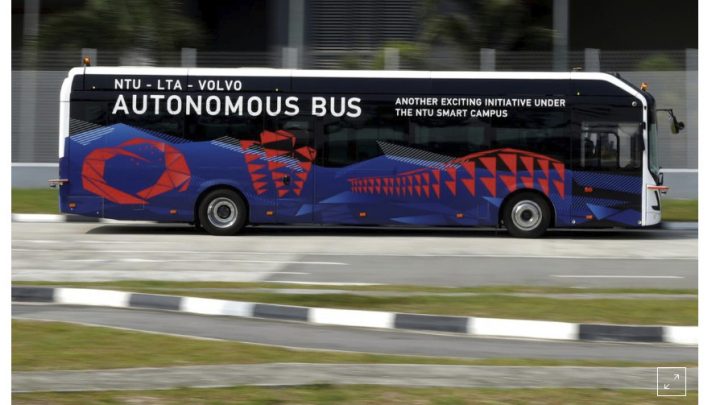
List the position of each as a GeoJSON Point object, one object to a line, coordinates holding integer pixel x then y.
{"type": "Point", "coordinates": [286, 374]}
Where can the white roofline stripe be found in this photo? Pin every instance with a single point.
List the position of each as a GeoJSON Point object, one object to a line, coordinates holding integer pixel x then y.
{"type": "Point", "coordinates": [390, 74]}
{"type": "Point", "coordinates": [376, 74]}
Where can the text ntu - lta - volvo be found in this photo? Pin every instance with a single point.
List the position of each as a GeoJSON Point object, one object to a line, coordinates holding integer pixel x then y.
{"type": "Point", "coordinates": [226, 148]}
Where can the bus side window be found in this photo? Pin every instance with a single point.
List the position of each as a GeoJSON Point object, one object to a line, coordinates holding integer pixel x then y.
{"type": "Point", "coordinates": [83, 113]}
{"type": "Point", "coordinates": [611, 146]}
{"type": "Point", "coordinates": [160, 124]}
{"type": "Point", "coordinates": [543, 132]}
{"type": "Point", "coordinates": [208, 128]}
{"type": "Point", "coordinates": [352, 140]}
{"type": "Point", "coordinates": [300, 126]}
{"type": "Point", "coordinates": [451, 137]}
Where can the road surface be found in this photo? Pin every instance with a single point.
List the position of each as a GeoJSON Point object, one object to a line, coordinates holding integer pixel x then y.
{"type": "Point", "coordinates": [347, 256]}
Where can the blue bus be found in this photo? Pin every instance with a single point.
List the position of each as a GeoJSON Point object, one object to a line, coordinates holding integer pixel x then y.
{"type": "Point", "coordinates": [226, 148]}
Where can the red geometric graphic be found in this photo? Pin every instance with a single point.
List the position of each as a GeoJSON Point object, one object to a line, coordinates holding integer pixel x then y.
{"type": "Point", "coordinates": [544, 185]}
{"type": "Point", "coordinates": [509, 182]}
{"type": "Point", "coordinates": [527, 162]}
{"type": "Point", "coordinates": [490, 164]}
{"type": "Point", "coordinates": [452, 186]}
{"type": "Point", "coordinates": [277, 150]}
{"type": "Point", "coordinates": [510, 161]}
{"type": "Point", "coordinates": [470, 185]}
{"type": "Point", "coordinates": [175, 176]}
{"type": "Point", "coordinates": [560, 169]}
{"type": "Point", "coordinates": [545, 166]}
{"type": "Point", "coordinates": [448, 176]}
{"type": "Point", "coordinates": [491, 184]}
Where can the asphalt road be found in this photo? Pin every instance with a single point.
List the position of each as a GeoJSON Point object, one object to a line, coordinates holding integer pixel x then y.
{"type": "Point", "coordinates": [345, 256]}
{"type": "Point", "coordinates": [300, 335]}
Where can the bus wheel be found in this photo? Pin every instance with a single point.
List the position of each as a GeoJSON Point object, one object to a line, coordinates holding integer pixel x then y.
{"type": "Point", "coordinates": [222, 212]}
{"type": "Point", "coordinates": [527, 215]}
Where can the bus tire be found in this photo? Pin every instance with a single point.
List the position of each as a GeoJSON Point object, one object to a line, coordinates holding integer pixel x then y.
{"type": "Point", "coordinates": [527, 215]}
{"type": "Point", "coordinates": [222, 212]}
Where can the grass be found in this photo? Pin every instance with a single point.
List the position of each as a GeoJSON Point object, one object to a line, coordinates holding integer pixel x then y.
{"type": "Point", "coordinates": [160, 286]}
{"type": "Point", "coordinates": [35, 201]}
{"type": "Point", "coordinates": [600, 310]}
{"type": "Point", "coordinates": [38, 345]}
{"type": "Point", "coordinates": [45, 201]}
{"type": "Point", "coordinates": [358, 394]}
{"type": "Point", "coordinates": [680, 210]}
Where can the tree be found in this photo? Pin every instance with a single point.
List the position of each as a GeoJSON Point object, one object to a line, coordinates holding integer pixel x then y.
{"type": "Point", "coordinates": [497, 24]}
{"type": "Point", "coordinates": [121, 25]}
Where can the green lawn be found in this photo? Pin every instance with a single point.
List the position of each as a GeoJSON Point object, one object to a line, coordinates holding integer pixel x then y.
{"type": "Point", "coordinates": [680, 210]}
{"type": "Point", "coordinates": [35, 201]}
{"type": "Point", "coordinates": [359, 394]}
{"type": "Point", "coordinates": [44, 201]}
{"type": "Point", "coordinates": [63, 346]}
{"type": "Point", "coordinates": [600, 310]}
{"type": "Point", "coordinates": [160, 286]}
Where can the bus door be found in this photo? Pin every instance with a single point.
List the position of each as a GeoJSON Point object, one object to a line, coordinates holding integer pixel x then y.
{"type": "Point", "coordinates": [607, 168]}
{"type": "Point", "coordinates": [290, 149]}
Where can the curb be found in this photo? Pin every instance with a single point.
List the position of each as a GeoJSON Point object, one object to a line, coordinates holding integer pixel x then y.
{"type": "Point", "coordinates": [487, 327]}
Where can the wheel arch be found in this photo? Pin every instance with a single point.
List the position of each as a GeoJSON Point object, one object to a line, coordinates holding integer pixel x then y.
{"type": "Point", "coordinates": [503, 205]}
{"type": "Point", "coordinates": [219, 186]}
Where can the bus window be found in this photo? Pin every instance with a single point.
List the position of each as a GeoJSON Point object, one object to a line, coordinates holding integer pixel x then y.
{"type": "Point", "coordinates": [301, 127]}
{"type": "Point", "coordinates": [631, 145]}
{"type": "Point", "coordinates": [539, 132]}
{"type": "Point", "coordinates": [207, 128]}
{"type": "Point", "coordinates": [352, 140]}
{"type": "Point", "coordinates": [162, 123]}
{"type": "Point", "coordinates": [611, 146]}
{"type": "Point", "coordinates": [599, 150]}
{"type": "Point", "coordinates": [448, 138]}
{"type": "Point", "coordinates": [83, 113]}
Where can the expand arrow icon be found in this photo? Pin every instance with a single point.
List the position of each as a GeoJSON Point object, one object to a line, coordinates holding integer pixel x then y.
{"type": "Point", "coordinates": [676, 377]}
{"type": "Point", "coordinates": [666, 386]}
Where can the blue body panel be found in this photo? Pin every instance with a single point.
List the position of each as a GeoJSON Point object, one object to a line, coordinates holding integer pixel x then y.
{"type": "Point", "coordinates": [123, 172]}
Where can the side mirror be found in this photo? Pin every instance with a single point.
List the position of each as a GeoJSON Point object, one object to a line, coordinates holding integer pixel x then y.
{"type": "Point", "coordinates": [661, 179]}
{"type": "Point", "coordinates": [676, 126]}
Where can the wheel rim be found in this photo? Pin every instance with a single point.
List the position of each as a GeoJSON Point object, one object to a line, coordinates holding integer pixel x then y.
{"type": "Point", "coordinates": [222, 212]}
{"type": "Point", "coordinates": [526, 215]}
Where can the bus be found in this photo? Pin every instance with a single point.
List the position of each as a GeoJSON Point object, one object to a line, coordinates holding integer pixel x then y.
{"type": "Point", "coordinates": [225, 148]}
